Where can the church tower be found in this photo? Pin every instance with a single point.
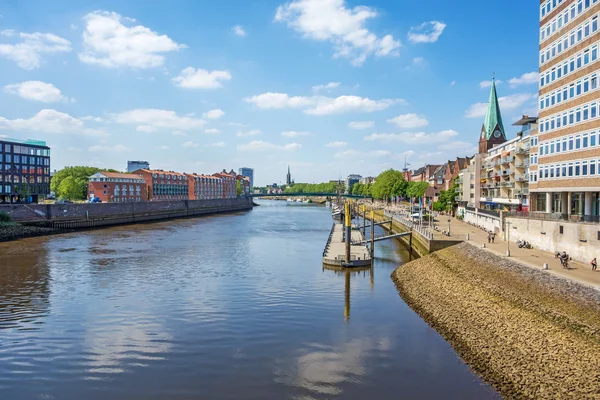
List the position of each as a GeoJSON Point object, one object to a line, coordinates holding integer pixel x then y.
{"type": "Point", "coordinates": [492, 130]}
{"type": "Point", "coordinates": [288, 178]}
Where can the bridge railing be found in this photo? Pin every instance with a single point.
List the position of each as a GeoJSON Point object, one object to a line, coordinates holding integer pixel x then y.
{"type": "Point", "coordinates": [425, 232]}
{"type": "Point", "coordinates": [350, 196]}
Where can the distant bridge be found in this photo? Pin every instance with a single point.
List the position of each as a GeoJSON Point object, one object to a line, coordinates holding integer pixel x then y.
{"type": "Point", "coordinates": [332, 195]}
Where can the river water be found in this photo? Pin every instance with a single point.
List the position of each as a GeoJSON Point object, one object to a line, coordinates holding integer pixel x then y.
{"type": "Point", "coordinates": [233, 306]}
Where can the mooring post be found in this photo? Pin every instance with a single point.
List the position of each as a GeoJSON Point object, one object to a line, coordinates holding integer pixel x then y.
{"type": "Point", "coordinates": [348, 231]}
{"type": "Point", "coordinates": [372, 236]}
{"type": "Point", "coordinates": [364, 223]}
{"type": "Point", "coordinates": [410, 240]}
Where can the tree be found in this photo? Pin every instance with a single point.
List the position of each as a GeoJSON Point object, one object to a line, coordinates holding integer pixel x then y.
{"type": "Point", "coordinates": [389, 184]}
{"type": "Point", "coordinates": [448, 197]}
{"type": "Point", "coordinates": [416, 189]}
{"type": "Point", "coordinates": [72, 182]}
{"type": "Point", "coordinates": [238, 188]}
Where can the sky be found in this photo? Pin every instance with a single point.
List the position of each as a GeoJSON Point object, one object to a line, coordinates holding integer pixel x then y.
{"type": "Point", "coordinates": [329, 87]}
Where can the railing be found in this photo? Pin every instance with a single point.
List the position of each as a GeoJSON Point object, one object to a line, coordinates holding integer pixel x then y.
{"type": "Point", "coordinates": [418, 228]}
{"type": "Point", "coordinates": [544, 216]}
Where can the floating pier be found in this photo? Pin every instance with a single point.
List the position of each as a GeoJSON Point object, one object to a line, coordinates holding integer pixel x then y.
{"type": "Point", "coordinates": [345, 246]}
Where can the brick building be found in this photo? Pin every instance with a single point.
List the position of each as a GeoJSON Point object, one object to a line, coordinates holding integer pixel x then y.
{"type": "Point", "coordinates": [24, 171]}
{"type": "Point", "coordinates": [228, 180]}
{"type": "Point", "coordinates": [245, 182]}
{"type": "Point", "coordinates": [565, 151]}
{"type": "Point", "coordinates": [115, 187]}
{"type": "Point", "coordinates": [203, 187]}
{"type": "Point", "coordinates": [164, 185]}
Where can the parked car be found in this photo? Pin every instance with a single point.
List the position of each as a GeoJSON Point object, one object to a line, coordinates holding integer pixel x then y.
{"type": "Point", "coordinates": [96, 200]}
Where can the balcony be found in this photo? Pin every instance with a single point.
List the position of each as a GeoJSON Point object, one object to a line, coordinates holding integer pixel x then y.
{"type": "Point", "coordinates": [519, 164]}
{"type": "Point", "coordinates": [506, 172]}
{"type": "Point", "coordinates": [522, 178]}
{"type": "Point", "coordinates": [522, 150]}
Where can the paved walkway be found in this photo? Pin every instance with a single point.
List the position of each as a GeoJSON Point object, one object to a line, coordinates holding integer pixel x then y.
{"type": "Point", "coordinates": [535, 258]}
{"type": "Point", "coordinates": [337, 247]}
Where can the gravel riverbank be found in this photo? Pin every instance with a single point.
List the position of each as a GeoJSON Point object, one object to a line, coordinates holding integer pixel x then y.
{"type": "Point", "coordinates": [530, 334]}
{"type": "Point", "coordinates": [13, 232]}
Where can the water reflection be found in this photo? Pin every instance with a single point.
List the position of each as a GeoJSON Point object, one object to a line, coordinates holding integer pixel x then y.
{"type": "Point", "coordinates": [347, 273]}
{"type": "Point", "coordinates": [24, 287]}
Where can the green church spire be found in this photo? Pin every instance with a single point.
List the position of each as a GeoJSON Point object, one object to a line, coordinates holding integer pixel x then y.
{"type": "Point", "coordinates": [493, 117]}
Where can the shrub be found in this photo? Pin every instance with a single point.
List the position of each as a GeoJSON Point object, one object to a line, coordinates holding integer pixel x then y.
{"type": "Point", "coordinates": [5, 217]}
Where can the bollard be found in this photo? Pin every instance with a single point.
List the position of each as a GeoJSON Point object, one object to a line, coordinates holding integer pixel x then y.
{"type": "Point", "coordinates": [545, 267]}
{"type": "Point", "coordinates": [507, 253]}
{"type": "Point", "coordinates": [467, 237]}
{"type": "Point", "coordinates": [483, 246]}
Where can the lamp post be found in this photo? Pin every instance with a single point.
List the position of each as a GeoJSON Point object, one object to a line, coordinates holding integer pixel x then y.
{"type": "Point", "coordinates": [507, 238]}
{"type": "Point", "coordinates": [449, 226]}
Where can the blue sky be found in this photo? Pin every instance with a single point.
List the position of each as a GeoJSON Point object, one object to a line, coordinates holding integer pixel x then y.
{"type": "Point", "coordinates": [330, 87]}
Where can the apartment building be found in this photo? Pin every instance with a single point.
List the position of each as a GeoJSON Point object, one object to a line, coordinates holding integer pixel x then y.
{"type": "Point", "coordinates": [115, 187]}
{"type": "Point", "coordinates": [228, 181]}
{"type": "Point", "coordinates": [204, 187]}
{"type": "Point", "coordinates": [164, 185]}
{"type": "Point", "coordinates": [565, 153]}
{"type": "Point", "coordinates": [24, 171]}
{"type": "Point", "coordinates": [465, 194]}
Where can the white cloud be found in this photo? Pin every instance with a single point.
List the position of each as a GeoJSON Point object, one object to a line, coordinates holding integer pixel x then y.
{"type": "Point", "coordinates": [361, 124]}
{"type": "Point", "coordinates": [162, 147]}
{"type": "Point", "coordinates": [156, 118]}
{"type": "Point", "coordinates": [526, 79]}
{"type": "Point", "coordinates": [259, 145]}
{"type": "Point", "coordinates": [190, 78]}
{"type": "Point", "coordinates": [217, 144]}
{"type": "Point", "coordinates": [178, 133]}
{"type": "Point", "coordinates": [117, 147]}
{"type": "Point", "coordinates": [337, 144]}
{"type": "Point", "coordinates": [238, 30]}
{"type": "Point", "coordinates": [418, 61]}
{"type": "Point", "coordinates": [91, 118]}
{"type": "Point", "coordinates": [214, 114]}
{"type": "Point", "coordinates": [330, 20]}
{"type": "Point", "coordinates": [212, 131]}
{"type": "Point", "coordinates": [190, 144]}
{"type": "Point", "coordinates": [356, 153]}
{"type": "Point", "coordinates": [36, 90]}
{"type": "Point", "coordinates": [146, 128]}
{"type": "Point", "coordinates": [413, 137]}
{"type": "Point", "coordinates": [28, 52]}
{"type": "Point", "coordinates": [110, 43]}
{"type": "Point", "coordinates": [236, 124]}
{"type": "Point", "coordinates": [487, 84]}
{"type": "Point", "coordinates": [328, 87]}
{"type": "Point", "coordinates": [251, 132]}
{"type": "Point", "coordinates": [507, 103]}
{"type": "Point", "coordinates": [408, 121]}
{"type": "Point", "coordinates": [294, 134]}
{"type": "Point", "coordinates": [50, 121]}
{"type": "Point", "coordinates": [458, 145]}
{"type": "Point", "coordinates": [321, 105]}
{"type": "Point", "coordinates": [452, 83]}
{"type": "Point", "coordinates": [427, 32]}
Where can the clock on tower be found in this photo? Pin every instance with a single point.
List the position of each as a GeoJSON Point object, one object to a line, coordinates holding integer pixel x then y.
{"type": "Point", "coordinates": [497, 134]}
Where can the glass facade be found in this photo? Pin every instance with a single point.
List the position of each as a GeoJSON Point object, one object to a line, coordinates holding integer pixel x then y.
{"type": "Point", "coordinates": [24, 171]}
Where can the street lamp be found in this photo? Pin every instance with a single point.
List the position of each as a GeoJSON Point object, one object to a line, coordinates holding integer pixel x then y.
{"type": "Point", "coordinates": [507, 238]}
{"type": "Point", "coordinates": [449, 226]}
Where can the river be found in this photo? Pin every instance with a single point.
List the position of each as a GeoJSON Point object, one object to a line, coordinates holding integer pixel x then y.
{"type": "Point", "coordinates": [234, 306]}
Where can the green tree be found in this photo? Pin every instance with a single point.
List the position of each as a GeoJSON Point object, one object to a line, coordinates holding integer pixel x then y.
{"type": "Point", "coordinates": [238, 188]}
{"type": "Point", "coordinates": [72, 182]}
{"type": "Point", "coordinates": [389, 184]}
{"type": "Point", "coordinates": [416, 189]}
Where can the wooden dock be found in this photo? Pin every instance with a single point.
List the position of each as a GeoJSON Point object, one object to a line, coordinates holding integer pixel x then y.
{"type": "Point", "coordinates": [335, 249]}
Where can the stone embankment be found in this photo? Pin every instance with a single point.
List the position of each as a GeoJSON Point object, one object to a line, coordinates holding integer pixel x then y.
{"type": "Point", "coordinates": [530, 334]}
{"type": "Point", "coordinates": [12, 232]}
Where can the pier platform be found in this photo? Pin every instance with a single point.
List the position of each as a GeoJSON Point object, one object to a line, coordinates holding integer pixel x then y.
{"type": "Point", "coordinates": [335, 249]}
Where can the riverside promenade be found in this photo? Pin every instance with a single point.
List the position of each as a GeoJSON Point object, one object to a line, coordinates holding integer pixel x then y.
{"type": "Point", "coordinates": [534, 258]}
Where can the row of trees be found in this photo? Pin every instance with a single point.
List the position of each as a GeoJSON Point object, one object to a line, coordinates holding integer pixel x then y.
{"type": "Point", "coordinates": [390, 184]}
{"type": "Point", "coordinates": [71, 183]}
{"type": "Point", "coordinates": [325, 187]}
{"type": "Point", "coordinates": [447, 199]}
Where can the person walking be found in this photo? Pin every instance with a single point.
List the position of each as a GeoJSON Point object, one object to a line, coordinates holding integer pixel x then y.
{"type": "Point", "coordinates": [489, 238]}
{"type": "Point", "coordinates": [594, 264]}
{"type": "Point", "coordinates": [493, 237]}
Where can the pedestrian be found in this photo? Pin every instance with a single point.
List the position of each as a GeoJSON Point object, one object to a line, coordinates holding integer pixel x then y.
{"type": "Point", "coordinates": [493, 237]}
{"type": "Point", "coordinates": [594, 264]}
{"type": "Point", "coordinates": [489, 238]}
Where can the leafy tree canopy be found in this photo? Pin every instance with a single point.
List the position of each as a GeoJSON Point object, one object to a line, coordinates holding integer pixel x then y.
{"type": "Point", "coordinates": [416, 189]}
{"type": "Point", "coordinates": [72, 182]}
{"type": "Point", "coordinates": [325, 187]}
{"type": "Point", "coordinates": [389, 184]}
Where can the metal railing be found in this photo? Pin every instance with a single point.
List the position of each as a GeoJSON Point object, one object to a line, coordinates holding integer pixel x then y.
{"type": "Point", "coordinates": [418, 228]}
{"type": "Point", "coordinates": [544, 216]}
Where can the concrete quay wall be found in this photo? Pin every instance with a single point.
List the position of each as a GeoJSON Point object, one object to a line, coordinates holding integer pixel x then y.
{"type": "Point", "coordinates": [103, 214]}
{"type": "Point", "coordinates": [580, 240]}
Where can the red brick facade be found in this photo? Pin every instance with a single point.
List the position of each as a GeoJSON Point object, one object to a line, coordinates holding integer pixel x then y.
{"type": "Point", "coordinates": [112, 187]}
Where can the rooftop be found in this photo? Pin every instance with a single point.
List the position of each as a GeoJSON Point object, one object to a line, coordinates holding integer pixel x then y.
{"type": "Point", "coordinates": [118, 175]}
{"type": "Point", "coordinates": [526, 119]}
{"type": "Point", "coordinates": [26, 141]}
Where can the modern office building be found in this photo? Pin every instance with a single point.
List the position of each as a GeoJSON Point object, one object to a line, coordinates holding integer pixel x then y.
{"type": "Point", "coordinates": [24, 171]}
{"type": "Point", "coordinates": [115, 187]}
{"type": "Point", "coordinates": [565, 153]}
{"type": "Point", "coordinates": [351, 180]}
{"type": "Point", "coordinates": [248, 172]}
{"type": "Point", "coordinates": [135, 165]}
